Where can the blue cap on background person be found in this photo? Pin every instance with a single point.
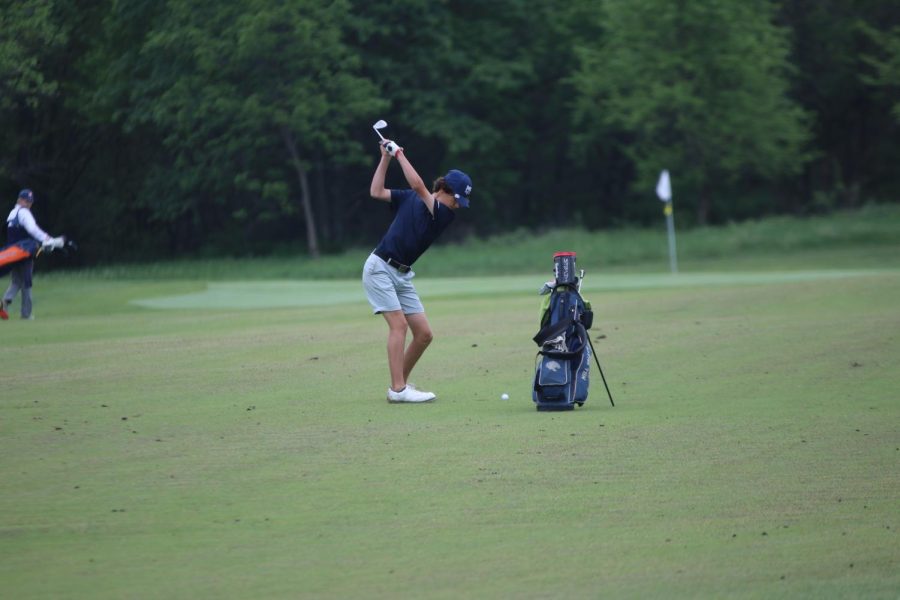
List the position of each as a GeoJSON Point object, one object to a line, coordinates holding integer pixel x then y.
{"type": "Point", "coordinates": [27, 194]}
{"type": "Point", "coordinates": [461, 184]}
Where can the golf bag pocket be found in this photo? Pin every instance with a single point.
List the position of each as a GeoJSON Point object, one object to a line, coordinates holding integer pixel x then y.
{"type": "Point", "coordinates": [553, 379]}
{"type": "Point", "coordinates": [581, 376]}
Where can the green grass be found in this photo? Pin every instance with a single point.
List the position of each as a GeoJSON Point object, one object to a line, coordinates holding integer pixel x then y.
{"type": "Point", "coordinates": [249, 453]}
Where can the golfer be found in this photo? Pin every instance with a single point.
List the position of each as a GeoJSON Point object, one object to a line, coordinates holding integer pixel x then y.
{"type": "Point", "coordinates": [420, 216]}
{"type": "Point", "coordinates": [20, 225]}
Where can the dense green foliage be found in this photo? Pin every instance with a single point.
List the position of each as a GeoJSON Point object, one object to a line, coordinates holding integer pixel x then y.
{"type": "Point", "coordinates": [707, 101]}
{"type": "Point", "coordinates": [153, 128]}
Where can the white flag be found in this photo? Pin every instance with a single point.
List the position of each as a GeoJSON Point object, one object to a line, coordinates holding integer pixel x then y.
{"type": "Point", "coordinates": [663, 187]}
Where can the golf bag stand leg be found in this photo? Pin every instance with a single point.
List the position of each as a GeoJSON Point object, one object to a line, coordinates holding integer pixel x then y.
{"type": "Point", "coordinates": [599, 368]}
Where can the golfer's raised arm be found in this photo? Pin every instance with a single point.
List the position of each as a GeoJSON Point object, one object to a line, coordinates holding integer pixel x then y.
{"type": "Point", "coordinates": [414, 181]}
{"type": "Point", "coordinates": [377, 189]}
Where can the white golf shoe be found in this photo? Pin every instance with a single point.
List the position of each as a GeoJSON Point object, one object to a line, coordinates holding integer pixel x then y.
{"type": "Point", "coordinates": [409, 395]}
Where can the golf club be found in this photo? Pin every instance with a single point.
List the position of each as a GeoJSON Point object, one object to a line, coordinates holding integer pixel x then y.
{"type": "Point", "coordinates": [391, 147]}
{"type": "Point", "coordinates": [378, 126]}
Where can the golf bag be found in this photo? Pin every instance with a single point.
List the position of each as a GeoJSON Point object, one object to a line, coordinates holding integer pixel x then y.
{"type": "Point", "coordinates": [12, 254]}
{"type": "Point", "coordinates": [563, 362]}
{"type": "Point", "coordinates": [15, 253]}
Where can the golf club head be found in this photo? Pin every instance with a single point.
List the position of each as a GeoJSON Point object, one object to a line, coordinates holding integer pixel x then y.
{"type": "Point", "coordinates": [379, 125]}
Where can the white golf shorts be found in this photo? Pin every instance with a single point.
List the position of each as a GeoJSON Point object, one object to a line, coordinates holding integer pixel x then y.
{"type": "Point", "coordinates": [388, 289]}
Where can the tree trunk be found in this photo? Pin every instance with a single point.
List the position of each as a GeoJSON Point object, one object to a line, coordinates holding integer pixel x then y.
{"type": "Point", "coordinates": [312, 240]}
{"type": "Point", "coordinates": [703, 206]}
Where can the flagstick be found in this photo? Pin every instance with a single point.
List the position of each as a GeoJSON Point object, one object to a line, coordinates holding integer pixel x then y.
{"type": "Point", "coordinates": [670, 225]}
{"type": "Point", "coordinates": [664, 192]}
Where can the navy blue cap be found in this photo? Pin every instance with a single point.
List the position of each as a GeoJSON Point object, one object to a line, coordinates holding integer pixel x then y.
{"type": "Point", "coordinates": [27, 195]}
{"type": "Point", "coordinates": [461, 184]}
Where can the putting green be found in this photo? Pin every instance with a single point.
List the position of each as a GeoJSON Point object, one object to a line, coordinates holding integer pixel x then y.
{"type": "Point", "coordinates": [287, 294]}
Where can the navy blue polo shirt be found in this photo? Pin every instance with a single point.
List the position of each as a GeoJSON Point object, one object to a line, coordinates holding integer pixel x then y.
{"type": "Point", "coordinates": [414, 228]}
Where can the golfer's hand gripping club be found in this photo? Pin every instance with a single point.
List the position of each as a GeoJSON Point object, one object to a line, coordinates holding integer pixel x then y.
{"type": "Point", "coordinates": [391, 147]}
{"type": "Point", "coordinates": [54, 243]}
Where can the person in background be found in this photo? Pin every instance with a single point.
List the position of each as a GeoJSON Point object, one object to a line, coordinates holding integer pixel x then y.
{"type": "Point", "coordinates": [20, 225]}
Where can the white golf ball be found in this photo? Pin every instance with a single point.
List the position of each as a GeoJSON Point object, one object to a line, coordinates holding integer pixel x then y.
{"type": "Point", "coordinates": [504, 396]}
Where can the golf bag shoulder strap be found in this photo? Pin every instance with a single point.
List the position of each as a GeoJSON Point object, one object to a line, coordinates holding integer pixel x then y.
{"type": "Point", "coordinates": [552, 330]}
{"type": "Point", "coordinates": [580, 332]}
{"type": "Point", "coordinates": [558, 354]}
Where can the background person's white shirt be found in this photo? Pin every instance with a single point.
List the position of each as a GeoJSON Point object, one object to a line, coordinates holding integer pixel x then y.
{"type": "Point", "coordinates": [26, 220]}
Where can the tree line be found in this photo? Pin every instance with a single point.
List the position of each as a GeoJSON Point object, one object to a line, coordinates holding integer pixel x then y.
{"type": "Point", "coordinates": [153, 128]}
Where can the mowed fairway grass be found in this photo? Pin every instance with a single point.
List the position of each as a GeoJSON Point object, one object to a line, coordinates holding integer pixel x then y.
{"type": "Point", "coordinates": [156, 442]}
